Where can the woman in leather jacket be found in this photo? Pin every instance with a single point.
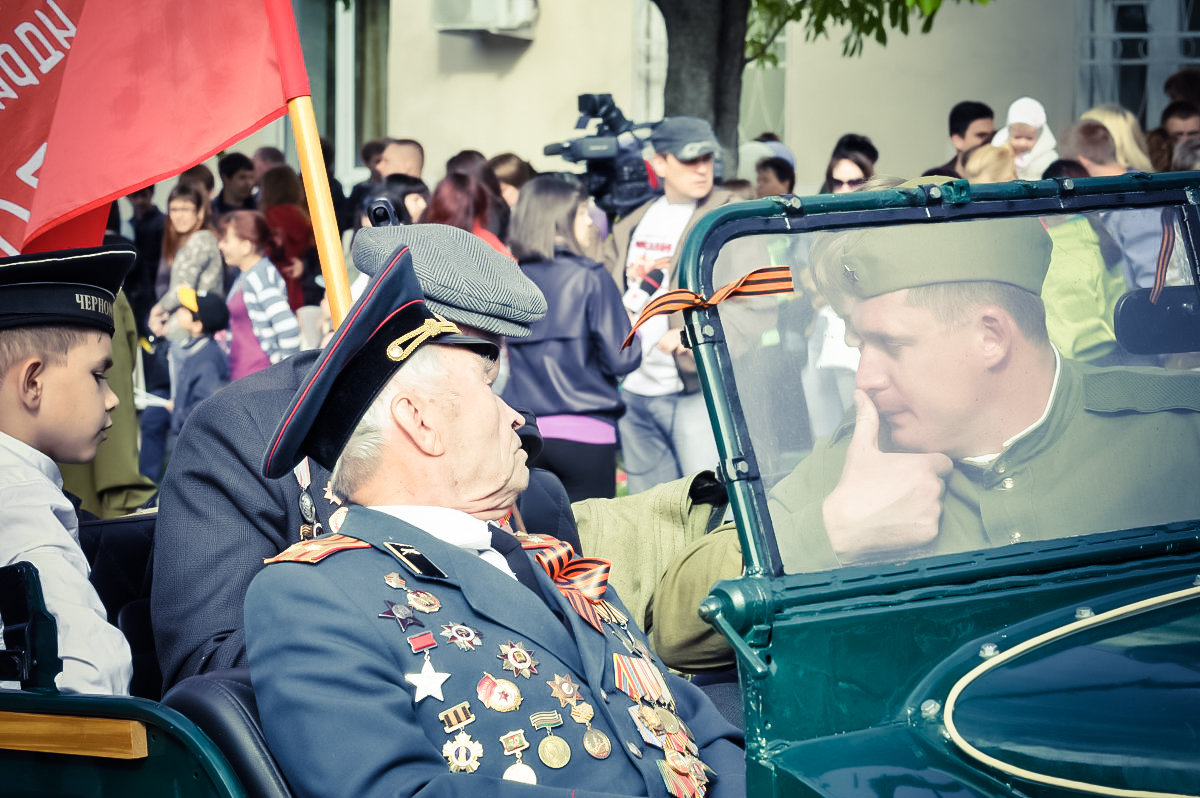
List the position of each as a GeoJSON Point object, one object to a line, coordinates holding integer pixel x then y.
{"type": "Point", "coordinates": [567, 371]}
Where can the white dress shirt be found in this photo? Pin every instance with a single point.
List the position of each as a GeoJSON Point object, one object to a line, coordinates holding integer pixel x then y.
{"type": "Point", "coordinates": [39, 525]}
{"type": "Point", "coordinates": [454, 527]}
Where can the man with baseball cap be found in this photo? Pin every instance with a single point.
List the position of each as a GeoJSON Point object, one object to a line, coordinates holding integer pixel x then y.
{"type": "Point", "coordinates": [665, 432]}
{"type": "Point", "coordinates": [971, 431]}
{"type": "Point", "coordinates": [423, 649]}
{"type": "Point", "coordinates": [219, 518]}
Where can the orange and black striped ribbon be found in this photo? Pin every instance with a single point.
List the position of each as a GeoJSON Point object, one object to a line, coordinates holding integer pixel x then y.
{"type": "Point", "coordinates": [1164, 254]}
{"type": "Point", "coordinates": [581, 580]}
{"type": "Point", "coordinates": [760, 282]}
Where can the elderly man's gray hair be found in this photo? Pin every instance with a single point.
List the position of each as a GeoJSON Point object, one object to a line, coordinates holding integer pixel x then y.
{"type": "Point", "coordinates": [361, 454]}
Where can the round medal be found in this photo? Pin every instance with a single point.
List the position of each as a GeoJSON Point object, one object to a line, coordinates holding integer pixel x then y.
{"type": "Point", "coordinates": [498, 694]}
{"type": "Point", "coordinates": [677, 762]}
{"type": "Point", "coordinates": [308, 508]}
{"type": "Point", "coordinates": [424, 601]}
{"type": "Point", "coordinates": [596, 743]}
{"type": "Point", "coordinates": [339, 515]}
{"type": "Point", "coordinates": [666, 717]}
{"type": "Point", "coordinates": [554, 752]}
{"type": "Point", "coordinates": [520, 772]}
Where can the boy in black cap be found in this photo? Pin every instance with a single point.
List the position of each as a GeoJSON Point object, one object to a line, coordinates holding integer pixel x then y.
{"type": "Point", "coordinates": [199, 366]}
{"type": "Point", "coordinates": [56, 326]}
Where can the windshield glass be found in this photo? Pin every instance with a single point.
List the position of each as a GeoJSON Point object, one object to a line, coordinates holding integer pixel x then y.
{"type": "Point", "coordinates": [909, 398]}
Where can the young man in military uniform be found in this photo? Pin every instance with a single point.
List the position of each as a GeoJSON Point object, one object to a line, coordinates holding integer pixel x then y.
{"type": "Point", "coordinates": [424, 648]}
{"type": "Point", "coordinates": [971, 430]}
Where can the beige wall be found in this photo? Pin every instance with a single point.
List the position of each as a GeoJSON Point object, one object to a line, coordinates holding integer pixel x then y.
{"type": "Point", "coordinates": [900, 95]}
{"type": "Point", "coordinates": [453, 92]}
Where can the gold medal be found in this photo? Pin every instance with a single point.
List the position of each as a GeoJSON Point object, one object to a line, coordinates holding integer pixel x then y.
{"type": "Point", "coordinates": [596, 743]}
{"type": "Point", "coordinates": [498, 694]}
{"type": "Point", "coordinates": [462, 753]}
{"type": "Point", "coordinates": [565, 690]}
{"type": "Point", "coordinates": [513, 657]}
{"type": "Point", "coordinates": [553, 751]}
{"type": "Point", "coordinates": [424, 601]}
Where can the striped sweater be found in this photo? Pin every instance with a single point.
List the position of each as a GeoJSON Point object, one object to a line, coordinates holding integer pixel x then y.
{"type": "Point", "coordinates": [271, 318]}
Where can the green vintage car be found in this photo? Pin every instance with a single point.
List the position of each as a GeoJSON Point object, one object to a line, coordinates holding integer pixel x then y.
{"type": "Point", "coordinates": [1058, 653]}
{"type": "Point", "coordinates": [1048, 663]}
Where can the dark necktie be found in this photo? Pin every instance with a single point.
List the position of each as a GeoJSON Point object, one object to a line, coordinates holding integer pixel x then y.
{"type": "Point", "coordinates": [515, 556]}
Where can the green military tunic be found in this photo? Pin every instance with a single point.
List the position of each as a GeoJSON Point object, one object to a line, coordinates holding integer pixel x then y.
{"type": "Point", "coordinates": [1116, 450]}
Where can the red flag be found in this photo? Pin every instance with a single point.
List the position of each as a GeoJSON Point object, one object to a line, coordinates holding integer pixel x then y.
{"type": "Point", "coordinates": [99, 98]}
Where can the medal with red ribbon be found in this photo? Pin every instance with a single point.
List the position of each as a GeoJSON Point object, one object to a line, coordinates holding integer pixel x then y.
{"type": "Point", "coordinates": [581, 580]}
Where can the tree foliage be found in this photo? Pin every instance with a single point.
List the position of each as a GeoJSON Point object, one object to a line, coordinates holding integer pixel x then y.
{"type": "Point", "coordinates": [863, 19]}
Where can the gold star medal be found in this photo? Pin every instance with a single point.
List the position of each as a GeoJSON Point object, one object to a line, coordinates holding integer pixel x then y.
{"type": "Point", "coordinates": [513, 657]}
{"type": "Point", "coordinates": [514, 743]}
{"type": "Point", "coordinates": [565, 690]}
{"type": "Point", "coordinates": [553, 751]}
{"type": "Point", "coordinates": [462, 753]}
{"type": "Point", "coordinates": [595, 742]}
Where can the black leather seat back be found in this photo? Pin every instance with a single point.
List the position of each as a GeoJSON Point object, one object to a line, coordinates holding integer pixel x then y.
{"type": "Point", "coordinates": [222, 704]}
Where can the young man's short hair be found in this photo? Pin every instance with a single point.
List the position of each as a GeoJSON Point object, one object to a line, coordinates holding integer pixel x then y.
{"type": "Point", "coordinates": [1088, 139]}
{"type": "Point", "coordinates": [783, 170]}
{"type": "Point", "coordinates": [232, 163]}
{"type": "Point", "coordinates": [49, 343]}
{"type": "Point", "coordinates": [1180, 109]}
{"type": "Point", "coordinates": [966, 112]}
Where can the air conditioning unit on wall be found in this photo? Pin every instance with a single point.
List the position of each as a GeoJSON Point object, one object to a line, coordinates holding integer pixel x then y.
{"type": "Point", "coordinates": [513, 18]}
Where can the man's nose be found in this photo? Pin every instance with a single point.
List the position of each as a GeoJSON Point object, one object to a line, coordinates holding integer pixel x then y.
{"type": "Point", "coordinates": [870, 376]}
{"type": "Point", "coordinates": [517, 420]}
{"type": "Point", "coordinates": [111, 400]}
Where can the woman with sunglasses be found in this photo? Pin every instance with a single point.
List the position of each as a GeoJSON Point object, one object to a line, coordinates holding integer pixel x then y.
{"type": "Point", "coordinates": [848, 169]}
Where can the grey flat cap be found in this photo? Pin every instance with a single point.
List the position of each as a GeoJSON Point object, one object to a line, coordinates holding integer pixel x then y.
{"type": "Point", "coordinates": [463, 278]}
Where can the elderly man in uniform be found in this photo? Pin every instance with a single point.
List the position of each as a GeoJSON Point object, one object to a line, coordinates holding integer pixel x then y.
{"type": "Point", "coordinates": [219, 518]}
{"type": "Point", "coordinates": [971, 430]}
{"type": "Point", "coordinates": [423, 648]}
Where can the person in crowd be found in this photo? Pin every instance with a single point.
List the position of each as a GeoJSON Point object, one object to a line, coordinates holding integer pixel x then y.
{"type": "Point", "coordinates": [371, 153]}
{"type": "Point", "coordinates": [740, 189]}
{"type": "Point", "coordinates": [199, 366]}
{"type": "Point", "coordinates": [847, 171]}
{"type": "Point", "coordinates": [1181, 120]}
{"type": "Point", "coordinates": [342, 210]}
{"type": "Point", "coordinates": [990, 163]}
{"type": "Point", "coordinates": [1126, 135]}
{"type": "Point", "coordinates": [1027, 132]}
{"type": "Point", "coordinates": [1136, 231]}
{"type": "Point", "coordinates": [402, 157]}
{"type": "Point", "coordinates": [495, 216]}
{"type": "Point", "coordinates": [971, 123]}
{"type": "Point", "coordinates": [200, 177]}
{"type": "Point", "coordinates": [427, 454]}
{"type": "Point", "coordinates": [774, 177]}
{"type": "Point", "coordinates": [513, 172]}
{"type": "Point", "coordinates": [857, 142]}
{"type": "Point", "coordinates": [148, 223]}
{"type": "Point", "coordinates": [460, 201]}
{"type": "Point", "coordinates": [567, 371]}
{"type": "Point", "coordinates": [214, 481]}
{"type": "Point", "coordinates": [1184, 85]}
{"type": "Point", "coordinates": [292, 243]}
{"type": "Point", "coordinates": [665, 431]}
{"type": "Point", "coordinates": [265, 159]}
{"type": "Point", "coordinates": [1185, 157]}
{"type": "Point", "coordinates": [189, 257]}
{"type": "Point", "coordinates": [237, 185]}
{"type": "Point", "coordinates": [56, 327]}
{"type": "Point", "coordinates": [262, 327]}
{"type": "Point", "coordinates": [777, 147]}
{"type": "Point", "coordinates": [973, 433]}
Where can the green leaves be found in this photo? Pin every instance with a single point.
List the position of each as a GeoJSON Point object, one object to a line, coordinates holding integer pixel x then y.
{"type": "Point", "coordinates": [864, 19]}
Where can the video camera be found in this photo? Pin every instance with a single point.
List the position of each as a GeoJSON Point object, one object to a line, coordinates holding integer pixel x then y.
{"type": "Point", "coordinates": [616, 174]}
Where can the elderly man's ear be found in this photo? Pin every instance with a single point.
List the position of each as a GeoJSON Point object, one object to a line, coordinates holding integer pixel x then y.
{"type": "Point", "coordinates": [416, 419]}
{"type": "Point", "coordinates": [996, 331]}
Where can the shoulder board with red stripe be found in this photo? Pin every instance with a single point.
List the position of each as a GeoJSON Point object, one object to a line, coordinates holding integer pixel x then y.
{"type": "Point", "coordinates": [313, 551]}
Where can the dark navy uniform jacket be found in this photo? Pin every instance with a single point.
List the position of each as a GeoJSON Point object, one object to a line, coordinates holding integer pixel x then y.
{"type": "Point", "coordinates": [329, 677]}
